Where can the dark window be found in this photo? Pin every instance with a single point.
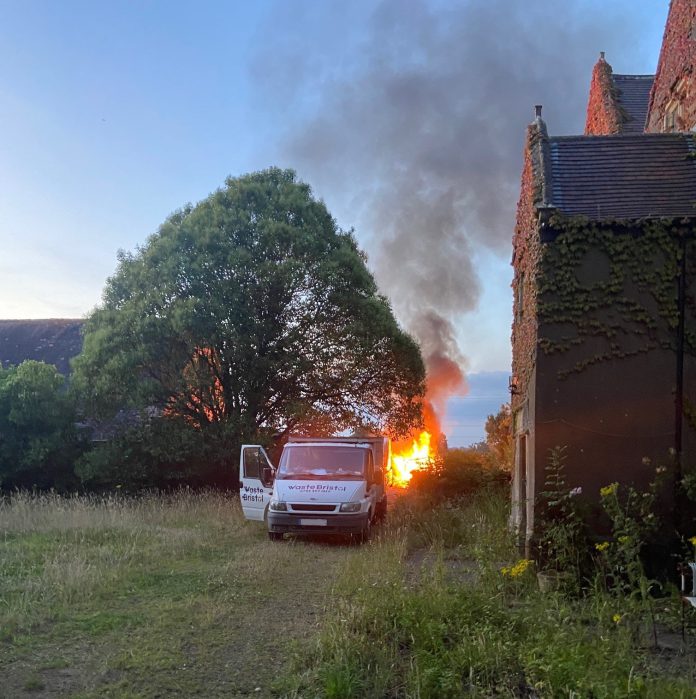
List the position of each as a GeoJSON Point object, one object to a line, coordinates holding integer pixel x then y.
{"type": "Point", "coordinates": [252, 463]}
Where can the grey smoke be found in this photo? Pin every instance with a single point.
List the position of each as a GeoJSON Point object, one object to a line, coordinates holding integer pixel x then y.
{"type": "Point", "coordinates": [442, 356]}
{"type": "Point", "coordinates": [416, 127]}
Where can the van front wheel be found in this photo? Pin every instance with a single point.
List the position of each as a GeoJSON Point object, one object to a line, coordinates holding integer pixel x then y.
{"type": "Point", "coordinates": [364, 536]}
{"type": "Point", "coordinates": [275, 536]}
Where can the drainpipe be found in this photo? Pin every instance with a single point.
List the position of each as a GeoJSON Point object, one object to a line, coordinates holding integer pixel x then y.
{"type": "Point", "coordinates": [679, 397]}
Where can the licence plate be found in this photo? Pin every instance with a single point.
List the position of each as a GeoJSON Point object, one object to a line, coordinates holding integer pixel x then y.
{"type": "Point", "coordinates": [313, 522]}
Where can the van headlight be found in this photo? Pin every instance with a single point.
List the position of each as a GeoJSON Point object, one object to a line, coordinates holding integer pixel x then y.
{"type": "Point", "coordinates": [278, 506]}
{"type": "Point", "coordinates": [350, 507]}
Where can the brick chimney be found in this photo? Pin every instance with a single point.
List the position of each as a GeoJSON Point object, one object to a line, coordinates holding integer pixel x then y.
{"type": "Point", "coordinates": [603, 113]}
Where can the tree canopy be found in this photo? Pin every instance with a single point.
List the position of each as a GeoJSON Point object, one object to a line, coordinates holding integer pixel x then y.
{"type": "Point", "coordinates": [499, 437]}
{"type": "Point", "coordinates": [38, 440]}
{"type": "Point", "coordinates": [247, 314]}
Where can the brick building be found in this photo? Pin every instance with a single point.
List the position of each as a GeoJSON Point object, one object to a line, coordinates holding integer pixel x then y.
{"type": "Point", "coordinates": [604, 257]}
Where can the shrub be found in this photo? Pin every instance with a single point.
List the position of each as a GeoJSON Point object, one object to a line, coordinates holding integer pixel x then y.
{"type": "Point", "coordinates": [461, 472]}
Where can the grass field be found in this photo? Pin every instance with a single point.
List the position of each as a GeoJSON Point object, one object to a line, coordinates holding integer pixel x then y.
{"type": "Point", "coordinates": [178, 596]}
{"type": "Point", "coordinates": [156, 596]}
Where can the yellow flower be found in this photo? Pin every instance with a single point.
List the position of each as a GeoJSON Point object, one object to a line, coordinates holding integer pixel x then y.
{"type": "Point", "coordinates": [520, 568]}
{"type": "Point", "coordinates": [616, 618]}
{"type": "Point", "coordinates": [624, 539]}
{"type": "Point", "coordinates": [603, 546]}
{"type": "Point", "coordinates": [692, 540]}
{"type": "Point", "coordinates": [608, 490]}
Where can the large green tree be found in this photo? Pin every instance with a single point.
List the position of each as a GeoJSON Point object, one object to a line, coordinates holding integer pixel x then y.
{"type": "Point", "coordinates": [499, 438]}
{"type": "Point", "coordinates": [38, 440]}
{"type": "Point", "coordinates": [247, 314]}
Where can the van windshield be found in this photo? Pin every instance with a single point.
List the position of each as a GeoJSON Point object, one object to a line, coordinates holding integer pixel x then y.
{"type": "Point", "coordinates": [322, 462]}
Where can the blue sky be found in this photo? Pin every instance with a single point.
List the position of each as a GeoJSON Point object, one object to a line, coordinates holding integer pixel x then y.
{"type": "Point", "coordinates": [114, 114]}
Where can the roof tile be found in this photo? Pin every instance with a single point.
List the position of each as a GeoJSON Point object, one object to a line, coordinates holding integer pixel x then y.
{"type": "Point", "coordinates": [623, 176]}
{"type": "Point", "coordinates": [633, 93]}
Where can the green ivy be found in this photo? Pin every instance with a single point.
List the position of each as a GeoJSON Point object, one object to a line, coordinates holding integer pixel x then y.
{"type": "Point", "coordinates": [634, 308]}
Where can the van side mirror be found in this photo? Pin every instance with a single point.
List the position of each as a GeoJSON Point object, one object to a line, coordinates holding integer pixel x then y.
{"type": "Point", "coordinates": [267, 475]}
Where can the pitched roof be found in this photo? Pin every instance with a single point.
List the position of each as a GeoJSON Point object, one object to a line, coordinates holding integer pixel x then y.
{"type": "Point", "coordinates": [630, 176]}
{"type": "Point", "coordinates": [55, 341]}
{"type": "Point", "coordinates": [633, 96]}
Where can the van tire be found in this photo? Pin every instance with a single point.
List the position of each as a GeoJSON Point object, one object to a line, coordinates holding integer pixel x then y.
{"type": "Point", "coordinates": [364, 535]}
{"type": "Point", "coordinates": [275, 536]}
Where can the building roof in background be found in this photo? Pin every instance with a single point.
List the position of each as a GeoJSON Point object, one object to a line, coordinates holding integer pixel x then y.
{"type": "Point", "coordinates": [633, 96]}
{"type": "Point", "coordinates": [55, 341]}
{"type": "Point", "coordinates": [623, 176]}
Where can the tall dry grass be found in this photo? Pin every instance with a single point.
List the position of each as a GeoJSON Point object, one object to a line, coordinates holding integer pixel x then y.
{"type": "Point", "coordinates": [57, 551]}
{"type": "Point", "coordinates": [24, 512]}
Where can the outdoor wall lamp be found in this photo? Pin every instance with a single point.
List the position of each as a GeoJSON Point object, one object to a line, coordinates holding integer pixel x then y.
{"type": "Point", "coordinates": [513, 386]}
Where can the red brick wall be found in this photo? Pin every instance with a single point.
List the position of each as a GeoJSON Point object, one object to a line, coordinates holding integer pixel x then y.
{"type": "Point", "coordinates": [526, 249]}
{"type": "Point", "coordinates": [603, 115]}
{"type": "Point", "coordinates": [675, 80]}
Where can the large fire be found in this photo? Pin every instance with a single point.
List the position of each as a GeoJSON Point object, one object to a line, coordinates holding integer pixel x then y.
{"type": "Point", "coordinates": [443, 362]}
{"type": "Point", "coordinates": [418, 451]}
{"type": "Point", "coordinates": [409, 458]}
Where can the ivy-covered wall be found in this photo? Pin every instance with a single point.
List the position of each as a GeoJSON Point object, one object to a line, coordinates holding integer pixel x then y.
{"type": "Point", "coordinates": [615, 282]}
{"type": "Point", "coordinates": [607, 337]}
{"type": "Point", "coordinates": [525, 259]}
{"type": "Point", "coordinates": [674, 80]}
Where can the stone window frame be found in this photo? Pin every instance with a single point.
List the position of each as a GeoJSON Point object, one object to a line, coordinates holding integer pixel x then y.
{"type": "Point", "coordinates": [520, 296]}
{"type": "Point", "coordinates": [673, 119]}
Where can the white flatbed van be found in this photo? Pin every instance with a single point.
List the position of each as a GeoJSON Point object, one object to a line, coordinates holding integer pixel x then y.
{"type": "Point", "coordinates": [321, 485]}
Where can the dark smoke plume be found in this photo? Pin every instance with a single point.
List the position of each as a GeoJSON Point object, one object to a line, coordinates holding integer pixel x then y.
{"type": "Point", "coordinates": [416, 128]}
{"type": "Point", "coordinates": [442, 357]}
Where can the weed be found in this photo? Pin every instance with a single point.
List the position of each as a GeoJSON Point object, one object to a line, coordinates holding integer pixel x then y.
{"type": "Point", "coordinates": [34, 684]}
{"type": "Point", "coordinates": [562, 539]}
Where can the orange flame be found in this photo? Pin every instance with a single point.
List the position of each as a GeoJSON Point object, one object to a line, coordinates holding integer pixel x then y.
{"type": "Point", "coordinates": [410, 458]}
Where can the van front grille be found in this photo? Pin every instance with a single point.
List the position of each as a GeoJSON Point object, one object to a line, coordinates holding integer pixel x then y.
{"type": "Point", "coordinates": [304, 507]}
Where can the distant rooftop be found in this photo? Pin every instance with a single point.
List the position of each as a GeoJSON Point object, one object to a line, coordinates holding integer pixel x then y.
{"type": "Point", "coordinates": [633, 99]}
{"type": "Point", "coordinates": [55, 341]}
{"type": "Point", "coordinates": [630, 176]}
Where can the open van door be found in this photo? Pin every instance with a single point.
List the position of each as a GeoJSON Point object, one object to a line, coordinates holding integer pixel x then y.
{"type": "Point", "coordinates": [256, 476]}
